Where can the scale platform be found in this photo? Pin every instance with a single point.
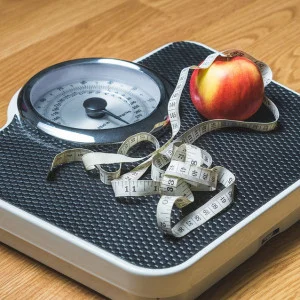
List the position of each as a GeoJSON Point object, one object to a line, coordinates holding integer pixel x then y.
{"type": "Point", "coordinates": [76, 226]}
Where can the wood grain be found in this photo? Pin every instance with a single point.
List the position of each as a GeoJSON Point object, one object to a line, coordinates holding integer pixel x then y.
{"type": "Point", "coordinates": [35, 34]}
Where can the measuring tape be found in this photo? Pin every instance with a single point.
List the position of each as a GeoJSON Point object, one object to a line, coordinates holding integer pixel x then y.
{"type": "Point", "coordinates": [177, 168]}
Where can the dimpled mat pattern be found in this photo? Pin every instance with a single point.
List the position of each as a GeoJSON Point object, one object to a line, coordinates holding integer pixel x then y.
{"type": "Point", "coordinates": [264, 164]}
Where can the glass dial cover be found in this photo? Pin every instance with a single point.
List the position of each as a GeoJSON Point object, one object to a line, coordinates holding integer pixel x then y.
{"type": "Point", "coordinates": [95, 100]}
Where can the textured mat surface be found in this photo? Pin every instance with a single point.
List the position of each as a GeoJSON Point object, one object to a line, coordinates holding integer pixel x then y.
{"type": "Point", "coordinates": [264, 164]}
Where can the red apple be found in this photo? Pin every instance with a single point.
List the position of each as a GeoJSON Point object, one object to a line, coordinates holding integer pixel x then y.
{"type": "Point", "coordinates": [231, 88]}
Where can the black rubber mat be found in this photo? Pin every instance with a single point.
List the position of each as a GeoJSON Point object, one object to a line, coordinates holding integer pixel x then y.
{"type": "Point", "coordinates": [264, 164]}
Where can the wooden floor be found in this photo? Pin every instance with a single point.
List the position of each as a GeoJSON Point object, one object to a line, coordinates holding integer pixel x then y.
{"type": "Point", "coordinates": [35, 34]}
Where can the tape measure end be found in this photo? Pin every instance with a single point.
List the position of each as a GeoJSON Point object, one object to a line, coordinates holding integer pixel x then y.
{"type": "Point", "coordinates": [51, 175]}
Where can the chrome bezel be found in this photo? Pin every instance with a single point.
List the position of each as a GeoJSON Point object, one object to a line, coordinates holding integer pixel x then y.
{"type": "Point", "coordinates": [114, 135]}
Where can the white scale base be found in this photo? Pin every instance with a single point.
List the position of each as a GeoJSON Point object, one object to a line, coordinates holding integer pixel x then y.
{"type": "Point", "coordinates": [119, 279]}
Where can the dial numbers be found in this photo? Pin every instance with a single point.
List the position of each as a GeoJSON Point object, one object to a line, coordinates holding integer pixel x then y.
{"type": "Point", "coordinates": [64, 105]}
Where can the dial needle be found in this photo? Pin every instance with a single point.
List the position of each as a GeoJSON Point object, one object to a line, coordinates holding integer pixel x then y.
{"type": "Point", "coordinates": [115, 116]}
{"type": "Point", "coordinates": [96, 108]}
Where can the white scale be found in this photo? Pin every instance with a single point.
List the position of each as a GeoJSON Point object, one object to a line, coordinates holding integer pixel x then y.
{"type": "Point", "coordinates": [73, 101]}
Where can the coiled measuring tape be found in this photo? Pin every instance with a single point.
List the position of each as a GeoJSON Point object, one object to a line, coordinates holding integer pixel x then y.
{"type": "Point", "coordinates": [189, 168]}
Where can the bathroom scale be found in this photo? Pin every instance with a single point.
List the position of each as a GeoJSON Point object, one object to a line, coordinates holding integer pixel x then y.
{"type": "Point", "coordinates": [75, 224]}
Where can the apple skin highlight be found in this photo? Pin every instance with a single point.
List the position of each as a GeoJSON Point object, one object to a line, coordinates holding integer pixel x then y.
{"type": "Point", "coordinates": [231, 88]}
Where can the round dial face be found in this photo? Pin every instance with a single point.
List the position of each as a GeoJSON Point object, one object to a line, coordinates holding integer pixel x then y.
{"type": "Point", "coordinates": [95, 100]}
{"type": "Point", "coordinates": [123, 104]}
